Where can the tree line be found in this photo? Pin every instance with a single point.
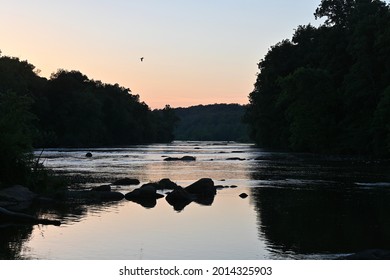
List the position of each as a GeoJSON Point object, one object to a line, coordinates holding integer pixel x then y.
{"type": "Point", "coordinates": [214, 122]}
{"type": "Point", "coordinates": [327, 90]}
{"type": "Point", "coordinates": [68, 110]}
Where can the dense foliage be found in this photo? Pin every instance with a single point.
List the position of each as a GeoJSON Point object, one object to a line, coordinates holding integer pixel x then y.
{"type": "Point", "coordinates": [15, 140]}
{"type": "Point", "coordinates": [68, 110]}
{"type": "Point", "coordinates": [72, 110]}
{"type": "Point", "coordinates": [218, 122]}
{"type": "Point", "coordinates": [328, 89]}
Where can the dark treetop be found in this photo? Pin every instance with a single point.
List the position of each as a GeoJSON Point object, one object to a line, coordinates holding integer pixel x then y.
{"type": "Point", "coordinates": [68, 110]}
{"type": "Point", "coordinates": [328, 89]}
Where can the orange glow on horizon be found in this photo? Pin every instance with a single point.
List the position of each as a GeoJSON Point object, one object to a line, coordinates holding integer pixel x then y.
{"type": "Point", "coordinates": [195, 52]}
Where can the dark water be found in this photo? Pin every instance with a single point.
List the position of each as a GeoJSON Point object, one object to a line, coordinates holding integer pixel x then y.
{"type": "Point", "coordinates": [299, 207]}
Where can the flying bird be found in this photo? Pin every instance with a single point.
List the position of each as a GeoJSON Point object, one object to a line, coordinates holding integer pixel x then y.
{"type": "Point", "coordinates": [142, 59]}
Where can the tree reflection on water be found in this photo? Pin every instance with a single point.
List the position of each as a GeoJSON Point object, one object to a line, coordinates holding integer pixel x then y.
{"type": "Point", "coordinates": [12, 240]}
{"type": "Point", "coordinates": [15, 236]}
{"type": "Point", "coordinates": [323, 217]}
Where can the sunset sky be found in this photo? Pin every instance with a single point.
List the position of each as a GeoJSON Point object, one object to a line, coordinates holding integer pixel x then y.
{"type": "Point", "coordinates": [195, 51]}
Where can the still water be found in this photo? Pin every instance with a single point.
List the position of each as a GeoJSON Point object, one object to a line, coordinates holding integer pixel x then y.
{"type": "Point", "coordinates": [300, 206]}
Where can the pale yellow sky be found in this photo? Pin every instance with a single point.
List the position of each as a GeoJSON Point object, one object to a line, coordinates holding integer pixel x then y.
{"type": "Point", "coordinates": [196, 51]}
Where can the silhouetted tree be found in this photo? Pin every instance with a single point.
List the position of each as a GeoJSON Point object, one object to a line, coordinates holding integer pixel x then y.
{"type": "Point", "coordinates": [68, 110]}
{"type": "Point", "coordinates": [15, 141]}
{"type": "Point", "coordinates": [326, 89]}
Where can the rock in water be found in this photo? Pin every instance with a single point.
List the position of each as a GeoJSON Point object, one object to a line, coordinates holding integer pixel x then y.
{"type": "Point", "coordinates": [17, 197]}
{"type": "Point", "coordinates": [179, 198]}
{"type": "Point", "coordinates": [88, 155]}
{"type": "Point", "coordinates": [188, 158]}
{"type": "Point", "coordinates": [185, 158]}
{"type": "Point", "coordinates": [17, 193]}
{"type": "Point", "coordinates": [167, 184]}
{"type": "Point", "coordinates": [145, 191]}
{"type": "Point", "coordinates": [243, 195]}
{"type": "Point", "coordinates": [235, 158]}
{"type": "Point", "coordinates": [146, 195]}
{"type": "Point", "coordinates": [204, 186]}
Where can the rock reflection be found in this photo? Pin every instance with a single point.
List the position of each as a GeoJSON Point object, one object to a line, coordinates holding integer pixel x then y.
{"type": "Point", "coordinates": [177, 203]}
{"type": "Point", "coordinates": [202, 192]}
{"type": "Point", "coordinates": [144, 202]}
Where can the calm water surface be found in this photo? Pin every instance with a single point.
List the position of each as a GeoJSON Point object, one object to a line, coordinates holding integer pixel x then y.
{"type": "Point", "coordinates": [300, 206]}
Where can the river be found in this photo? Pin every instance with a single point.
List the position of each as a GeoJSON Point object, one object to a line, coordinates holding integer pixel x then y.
{"type": "Point", "coordinates": [300, 206]}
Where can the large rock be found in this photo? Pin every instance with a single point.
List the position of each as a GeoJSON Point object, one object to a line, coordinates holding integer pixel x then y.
{"type": "Point", "coordinates": [145, 191]}
{"type": "Point", "coordinates": [167, 184]}
{"type": "Point", "coordinates": [202, 187]}
{"type": "Point", "coordinates": [180, 198]}
{"type": "Point", "coordinates": [146, 195]}
{"type": "Point", "coordinates": [17, 194]}
{"type": "Point", "coordinates": [202, 191]}
{"type": "Point", "coordinates": [16, 197]}
{"type": "Point", "coordinates": [206, 200]}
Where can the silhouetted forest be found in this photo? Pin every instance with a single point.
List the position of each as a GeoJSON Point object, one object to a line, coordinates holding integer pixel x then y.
{"type": "Point", "coordinates": [327, 89]}
{"type": "Point", "coordinates": [217, 122]}
{"type": "Point", "coordinates": [68, 110]}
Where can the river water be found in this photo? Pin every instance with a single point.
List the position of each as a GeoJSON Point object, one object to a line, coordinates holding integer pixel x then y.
{"type": "Point", "coordinates": [300, 206]}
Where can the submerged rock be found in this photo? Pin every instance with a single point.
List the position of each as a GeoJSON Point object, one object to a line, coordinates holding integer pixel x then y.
{"type": "Point", "coordinates": [235, 158]}
{"type": "Point", "coordinates": [102, 188]}
{"type": "Point", "coordinates": [88, 155]}
{"type": "Point", "coordinates": [188, 158]}
{"type": "Point", "coordinates": [126, 182]}
{"type": "Point", "coordinates": [185, 158]}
